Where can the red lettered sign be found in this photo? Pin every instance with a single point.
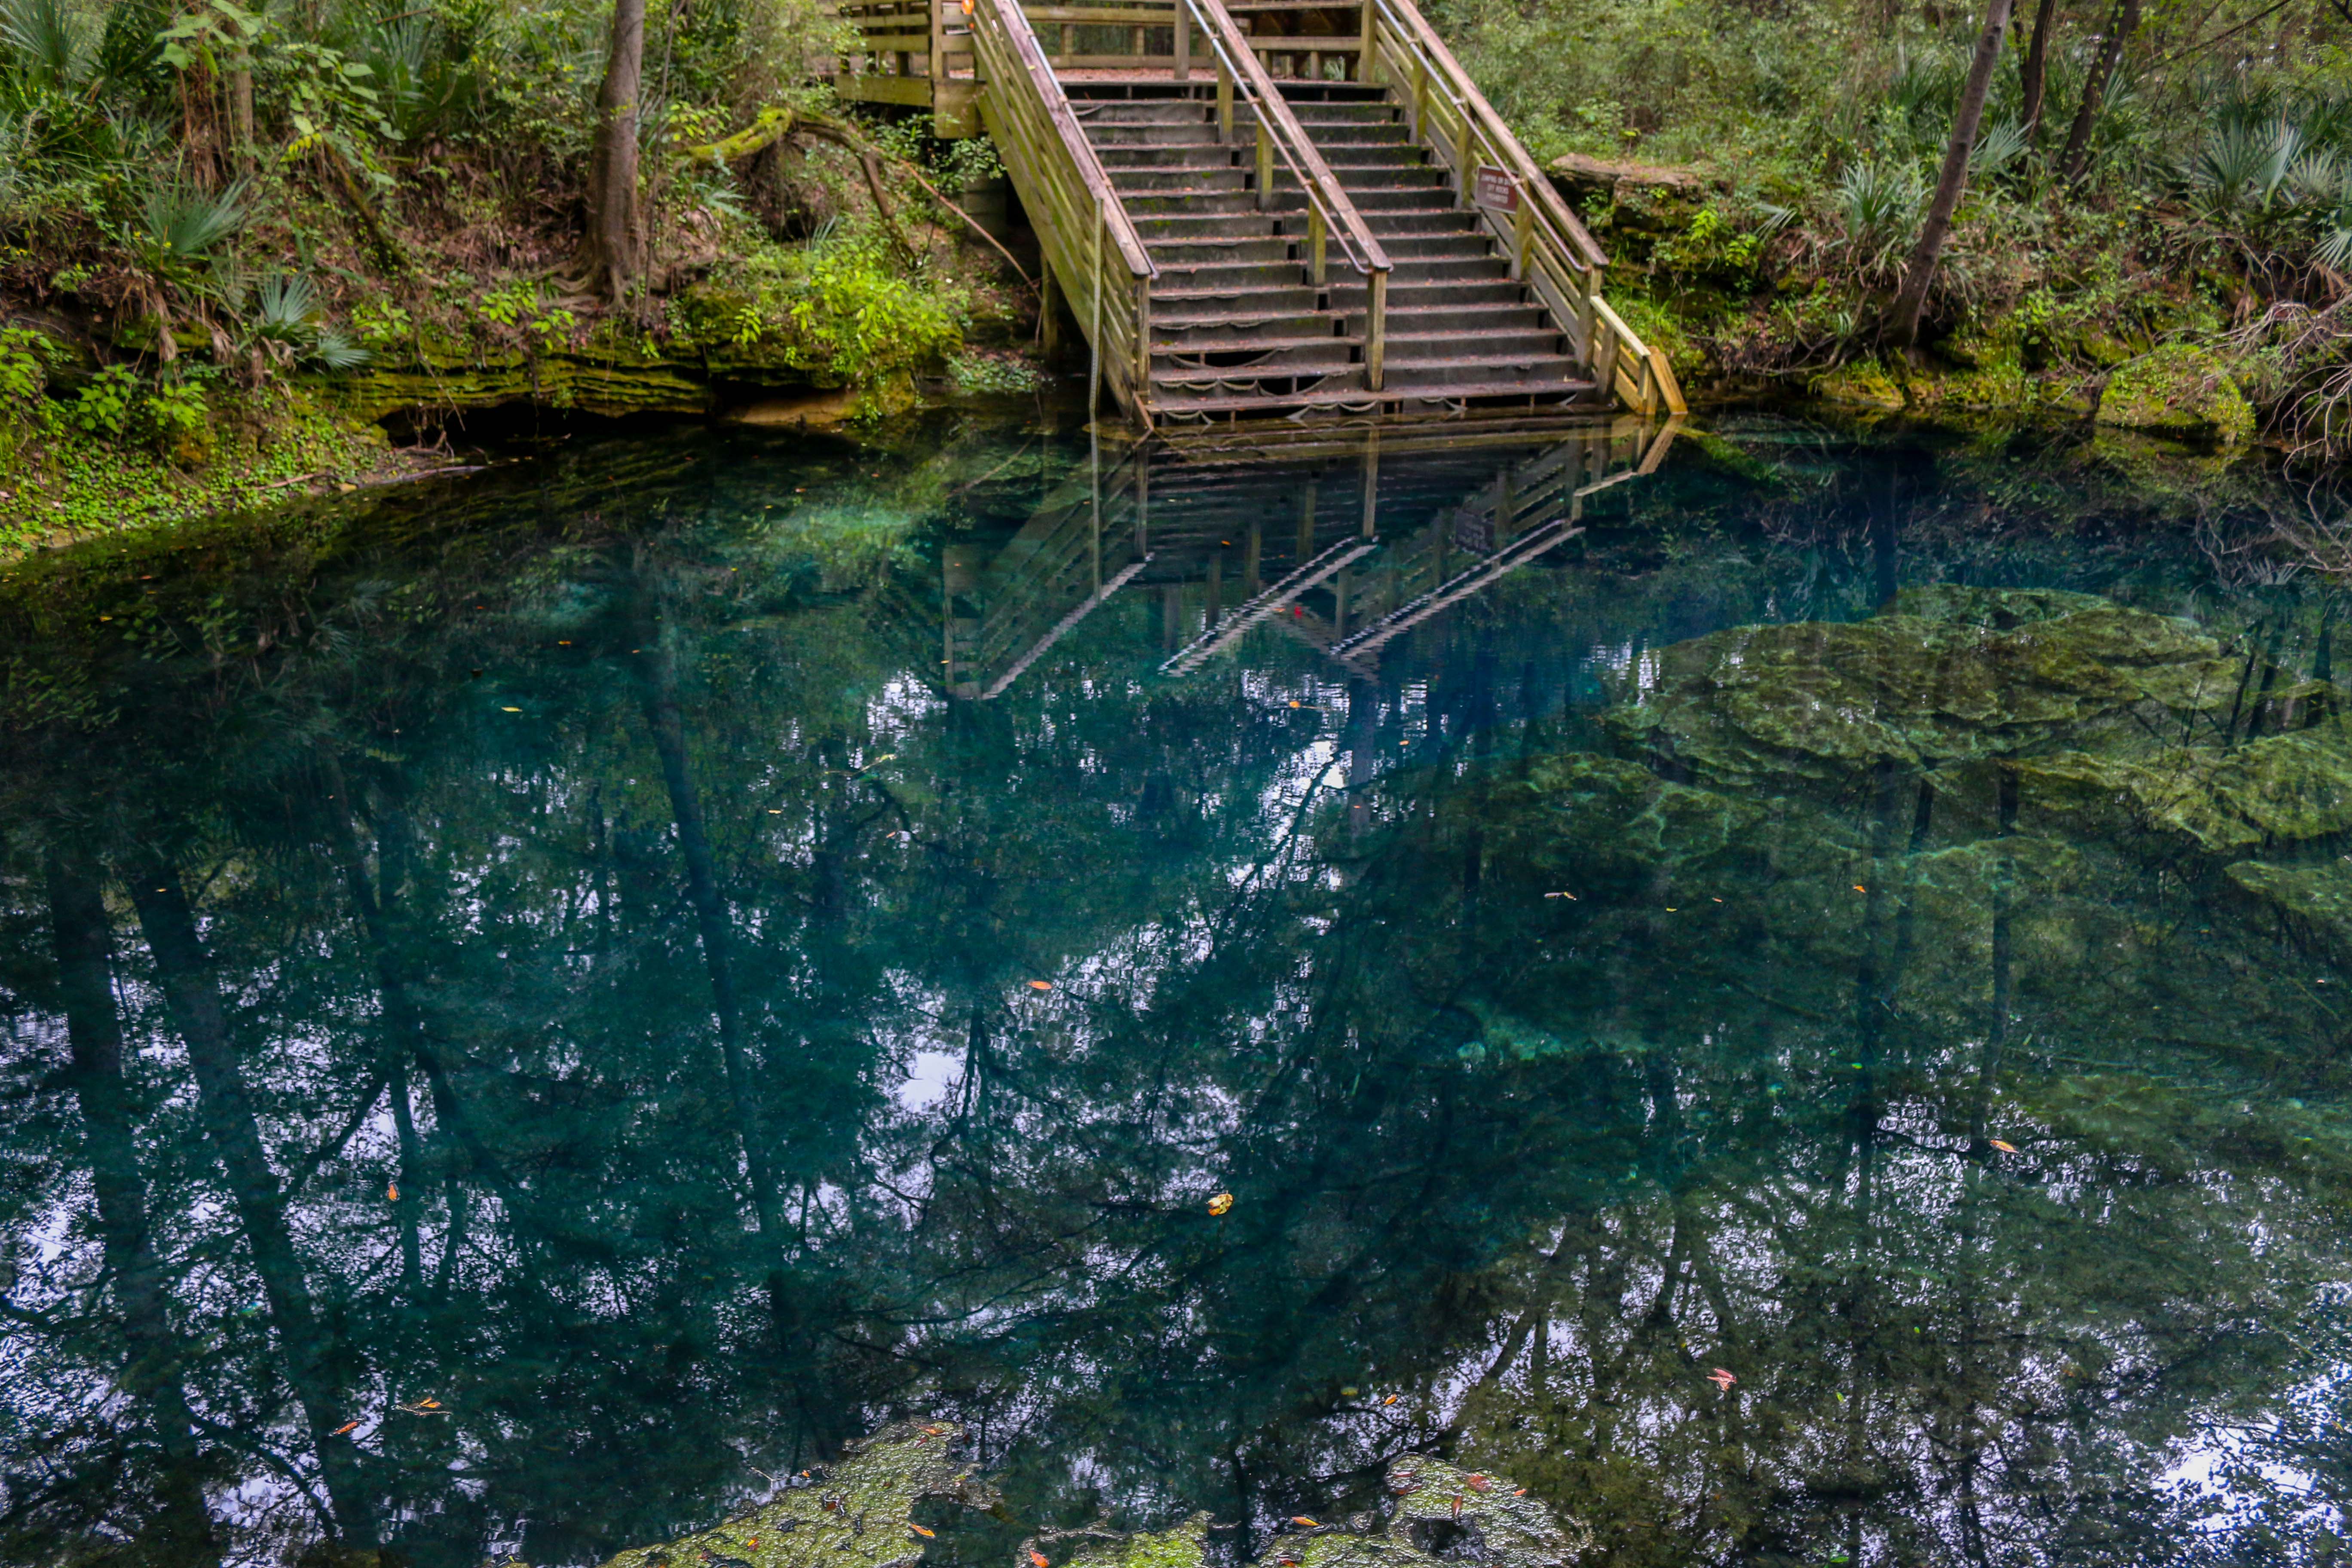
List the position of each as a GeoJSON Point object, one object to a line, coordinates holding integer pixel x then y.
{"type": "Point", "coordinates": [1496, 189]}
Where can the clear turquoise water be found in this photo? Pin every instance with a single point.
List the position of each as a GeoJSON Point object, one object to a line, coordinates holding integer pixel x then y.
{"type": "Point", "coordinates": [805, 927]}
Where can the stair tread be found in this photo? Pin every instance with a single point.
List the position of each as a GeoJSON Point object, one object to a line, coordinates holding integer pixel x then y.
{"type": "Point", "coordinates": [1338, 397]}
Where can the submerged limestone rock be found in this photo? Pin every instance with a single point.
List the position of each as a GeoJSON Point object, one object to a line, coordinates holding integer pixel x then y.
{"type": "Point", "coordinates": [2315, 898]}
{"type": "Point", "coordinates": [1947, 674]}
{"type": "Point", "coordinates": [859, 1513]}
{"type": "Point", "coordinates": [1438, 1514]}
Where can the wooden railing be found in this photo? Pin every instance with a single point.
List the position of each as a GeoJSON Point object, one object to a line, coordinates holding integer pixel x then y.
{"type": "Point", "coordinates": [1330, 215]}
{"type": "Point", "coordinates": [1091, 245]}
{"type": "Point", "coordinates": [1549, 251]}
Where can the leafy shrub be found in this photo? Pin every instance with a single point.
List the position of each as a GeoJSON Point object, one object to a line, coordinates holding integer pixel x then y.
{"type": "Point", "coordinates": [104, 404]}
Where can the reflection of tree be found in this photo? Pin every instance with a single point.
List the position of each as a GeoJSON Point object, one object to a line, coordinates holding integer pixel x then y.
{"type": "Point", "coordinates": [633, 971]}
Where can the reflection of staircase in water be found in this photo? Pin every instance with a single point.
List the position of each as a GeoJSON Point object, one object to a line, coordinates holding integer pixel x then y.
{"type": "Point", "coordinates": [1343, 541]}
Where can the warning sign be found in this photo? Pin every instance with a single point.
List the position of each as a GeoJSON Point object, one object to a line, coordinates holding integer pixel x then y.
{"type": "Point", "coordinates": [1496, 189]}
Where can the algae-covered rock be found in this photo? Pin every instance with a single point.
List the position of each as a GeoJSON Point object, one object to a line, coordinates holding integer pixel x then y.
{"type": "Point", "coordinates": [859, 1513]}
{"type": "Point", "coordinates": [1485, 1519]}
{"type": "Point", "coordinates": [2316, 899]}
{"type": "Point", "coordinates": [2177, 390]}
{"type": "Point", "coordinates": [1947, 674]}
{"type": "Point", "coordinates": [1864, 384]}
{"type": "Point", "coordinates": [1438, 1513]}
{"type": "Point", "coordinates": [2282, 789]}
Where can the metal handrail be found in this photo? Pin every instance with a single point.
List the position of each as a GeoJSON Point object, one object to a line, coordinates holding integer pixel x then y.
{"type": "Point", "coordinates": [1280, 134]}
{"type": "Point", "coordinates": [1288, 139]}
{"type": "Point", "coordinates": [1022, 40]}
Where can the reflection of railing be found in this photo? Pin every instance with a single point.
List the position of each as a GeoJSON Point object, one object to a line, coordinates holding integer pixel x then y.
{"type": "Point", "coordinates": [1550, 252]}
{"type": "Point", "coordinates": [1346, 543]}
{"type": "Point", "coordinates": [1330, 213]}
{"type": "Point", "coordinates": [1069, 197]}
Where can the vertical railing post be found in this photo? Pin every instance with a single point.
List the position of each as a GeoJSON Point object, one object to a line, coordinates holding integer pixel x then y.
{"type": "Point", "coordinates": [1093, 336]}
{"type": "Point", "coordinates": [1420, 96]}
{"type": "Point", "coordinates": [1224, 102]}
{"type": "Point", "coordinates": [1587, 314]}
{"type": "Point", "coordinates": [1315, 227]}
{"type": "Point", "coordinates": [1184, 40]}
{"type": "Point", "coordinates": [1522, 235]}
{"type": "Point", "coordinates": [1465, 156]}
{"type": "Point", "coordinates": [1142, 341]}
{"type": "Point", "coordinates": [1376, 329]}
{"type": "Point", "coordinates": [1265, 164]}
{"type": "Point", "coordinates": [1367, 66]}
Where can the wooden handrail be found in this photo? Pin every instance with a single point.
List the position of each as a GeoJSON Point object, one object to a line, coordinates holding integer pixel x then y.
{"type": "Point", "coordinates": [1428, 48]}
{"type": "Point", "coordinates": [1021, 42]}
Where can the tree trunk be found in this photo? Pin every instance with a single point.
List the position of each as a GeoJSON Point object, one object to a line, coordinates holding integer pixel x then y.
{"type": "Point", "coordinates": [83, 941]}
{"type": "Point", "coordinates": [1902, 317]}
{"type": "Point", "coordinates": [611, 240]}
{"type": "Point", "coordinates": [2033, 78]}
{"type": "Point", "coordinates": [192, 996]}
{"type": "Point", "coordinates": [2077, 157]}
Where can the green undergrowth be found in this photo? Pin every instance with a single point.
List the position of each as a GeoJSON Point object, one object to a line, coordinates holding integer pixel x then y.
{"type": "Point", "coordinates": [63, 480]}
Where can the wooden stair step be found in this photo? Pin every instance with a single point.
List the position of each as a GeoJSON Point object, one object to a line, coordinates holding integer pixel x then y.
{"type": "Point", "coordinates": [1458, 392]}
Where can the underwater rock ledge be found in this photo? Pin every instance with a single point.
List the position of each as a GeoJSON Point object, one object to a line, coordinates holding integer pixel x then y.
{"type": "Point", "coordinates": [859, 1513]}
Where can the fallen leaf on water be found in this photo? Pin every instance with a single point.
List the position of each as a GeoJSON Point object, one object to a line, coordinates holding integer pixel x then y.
{"type": "Point", "coordinates": [430, 1404]}
{"type": "Point", "coordinates": [1570, 897]}
{"type": "Point", "coordinates": [1480, 1483]}
{"type": "Point", "coordinates": [1037, 1557]}
{"type": "Point", "coordinates": [1860, 888]}
{"type": "Point", "coordinates": [2004, 1147]}
{"type": "Point", "coordinates": [1220, 1202]}
{"type": "Point", "coordinates": [509, 710]}
{"type": "Point", "coordinates": [343, 1428]}
{"type": "Point", "coordinates": [1392, 1399]}
{"type": "Point", "coordinates": [919, 1530]}
{"type": "Point", "coordinates": [1721, 1379]}
{"type": "Point", "coordinates": [1302, 1519]}
{"type": "Point", "coordinates": [1521, 1492]}
{"type": "Point", "coordinates": [1040, 985]}
{"type": "Point", "coordinates": [392, 1192]}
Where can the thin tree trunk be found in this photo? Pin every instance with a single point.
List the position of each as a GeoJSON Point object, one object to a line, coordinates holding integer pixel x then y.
{"type": "Point", "coordinates": [83, 939]}
{"type": "Point", "coordinates": [2033, 76]}
{"type": "Point", "coordinates": [611, 240]}
{"type": "Point", "coordinates": [192, 996]}
{"type": "Point", "coordinates": [1902, 317]}
{"type": "Point", "coordinates": [2077, 157]}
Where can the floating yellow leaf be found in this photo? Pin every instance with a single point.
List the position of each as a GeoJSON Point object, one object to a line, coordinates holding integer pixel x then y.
{"type": "Point", "coordinates": [1040, 985]}
{"type": "Point", "coordinates": [392, 1192]}
{"type": "Point", "coordinates": [919, 1530]}
{"type": "Point", "coordinates": [509, 710]}
{"type": "Point", "coordinates": [343, 1428]}
{"type": "Point", "coordinates": [1302, 1519]}
{"type": "Point", "coordinates": [1220, 1202]}
{"type": "Point", "coordinates": [1570, 897]}
{"type": "Point", "coordinates": [1860, 888]}
{"type": "Point", "coordinates": [1392, 1399]}
{"type": "Point", "coordinates": [1721, 1379]}
{"type": "Point", "coordinates": [1037, 1557]}
{"type": "Point", "coordinates": [2004, 1147]}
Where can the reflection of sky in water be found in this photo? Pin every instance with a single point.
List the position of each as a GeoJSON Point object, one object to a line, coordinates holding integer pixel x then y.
{"type": "Point", "coordinates": [1531, 1166]}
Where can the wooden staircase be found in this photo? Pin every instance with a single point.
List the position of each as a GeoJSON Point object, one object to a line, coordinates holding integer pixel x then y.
{"type": "Point", "coordinates": [1237, 325]}
{"type": "Point", "coordinates": [1237, 247]}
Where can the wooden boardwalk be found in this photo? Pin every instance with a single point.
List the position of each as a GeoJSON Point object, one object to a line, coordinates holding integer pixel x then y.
{"type": "Point", "coordinates": [1273, 208]}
